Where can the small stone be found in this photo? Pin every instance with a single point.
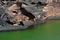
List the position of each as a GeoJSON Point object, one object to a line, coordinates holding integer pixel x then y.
{"type": "Point", "coordinates": [15, 25]}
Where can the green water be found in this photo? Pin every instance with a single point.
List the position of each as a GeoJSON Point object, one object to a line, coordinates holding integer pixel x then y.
{"type": "Point", "coordinates": [50, 31]}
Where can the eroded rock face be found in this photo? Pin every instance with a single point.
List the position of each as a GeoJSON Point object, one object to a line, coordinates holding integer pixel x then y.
{"type": "Point", "coordinates": [30, 11]}
{"type": "Point", "coordinates": [52, 9]}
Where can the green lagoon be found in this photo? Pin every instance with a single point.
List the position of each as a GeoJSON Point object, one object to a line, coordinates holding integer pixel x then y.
{"type": "Point", "coordinates": [47, 31]}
